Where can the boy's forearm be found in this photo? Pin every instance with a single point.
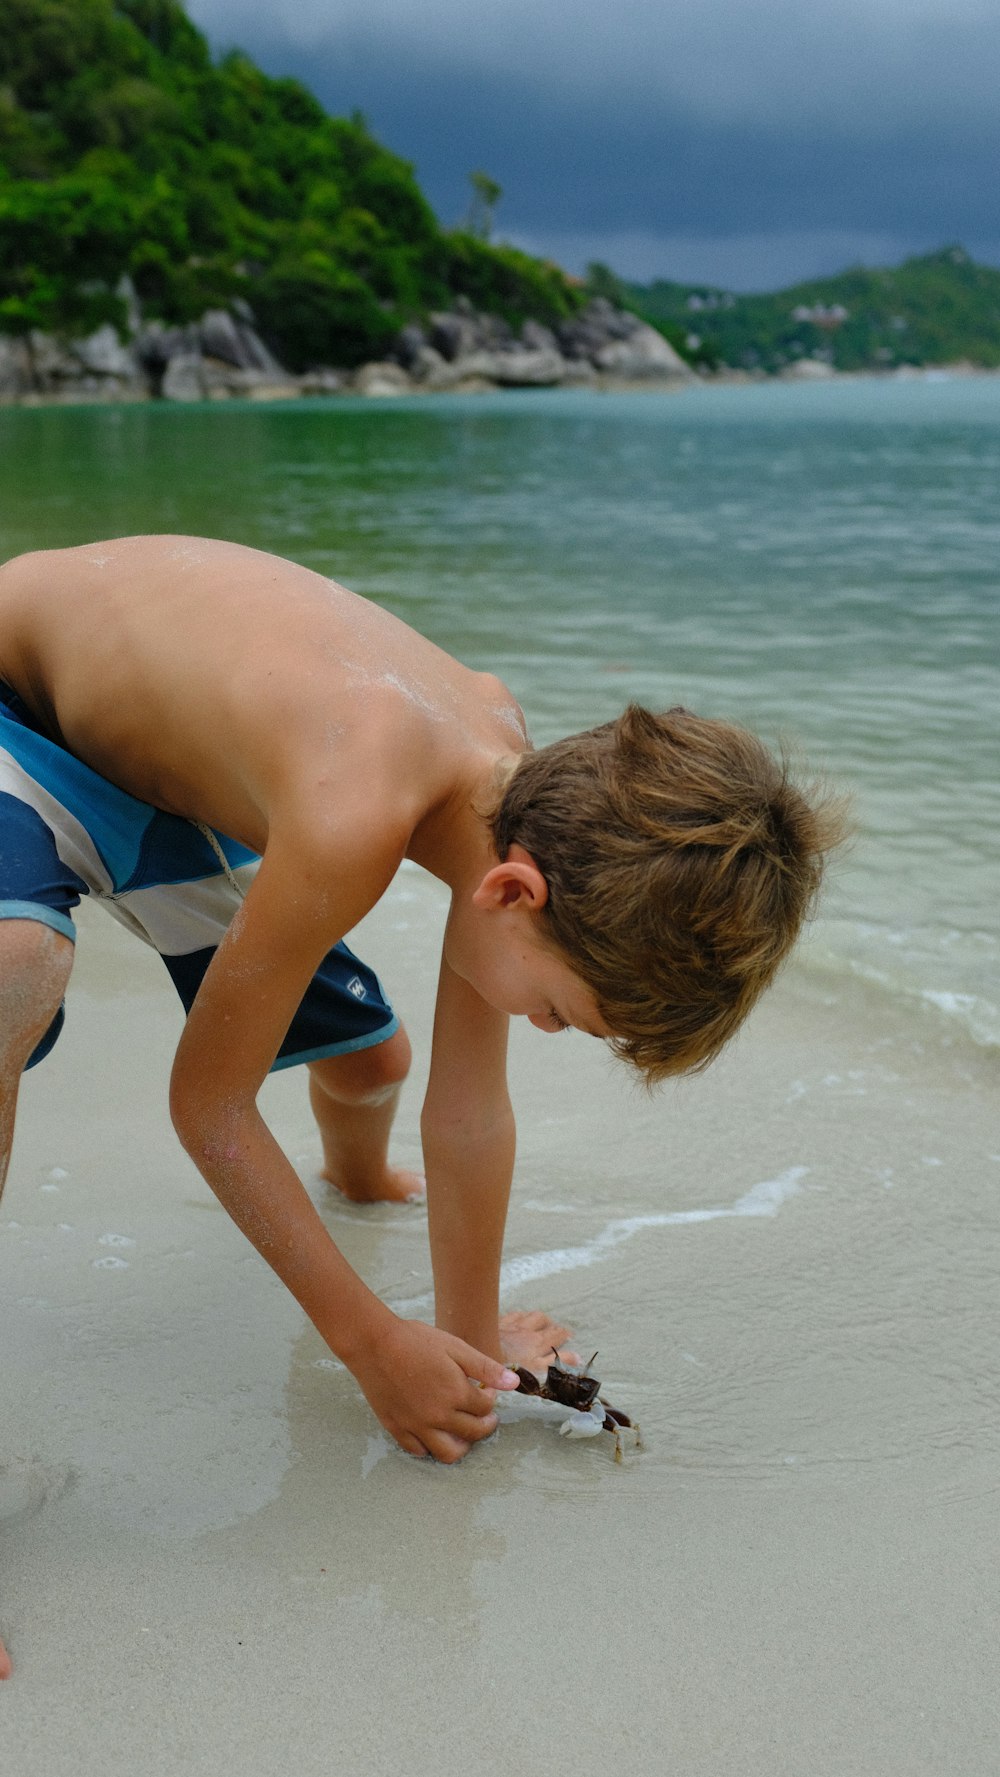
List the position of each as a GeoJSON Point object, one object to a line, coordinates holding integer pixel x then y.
{"type": "Point", "coordinates": [263, 1194]}
{"type": "Point", "coordinates": [468, 1189]}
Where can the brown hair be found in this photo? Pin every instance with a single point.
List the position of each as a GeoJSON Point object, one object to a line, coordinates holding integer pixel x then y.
{"type": "Point", "coordinates": [680, 862]}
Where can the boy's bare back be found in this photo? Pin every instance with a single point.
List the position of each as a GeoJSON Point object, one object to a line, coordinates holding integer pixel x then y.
{"type": "Point", "coordinates": [232, 687]}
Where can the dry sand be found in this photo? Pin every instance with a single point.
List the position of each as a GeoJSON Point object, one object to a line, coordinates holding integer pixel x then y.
{"type": "Point", "coordinates": [213, 1561]}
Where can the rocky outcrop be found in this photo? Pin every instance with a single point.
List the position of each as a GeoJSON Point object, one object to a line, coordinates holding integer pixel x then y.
{"type": "Point", "coordinates": [97, 368]}
{"type": "Point", "coordinates": [807, 370]}
{"type": "Point", "coordinates": [222, 356]}
{"type": "Point", "coordinates": [15, 369]}
{"type": "Point", "coordinates": [381, 379]}
{"type": "Point", "coordinates": [619, 344]}
{"type": "Point", "coordinates": [216, 358]}
{"type": "Point", "coordinates": [601, 343]}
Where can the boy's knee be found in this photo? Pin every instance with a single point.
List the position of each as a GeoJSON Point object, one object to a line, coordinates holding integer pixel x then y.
{"type": "Point", "coordinates": [366, 1076]}
{"type": "Point", "coordinates": [35, 965]}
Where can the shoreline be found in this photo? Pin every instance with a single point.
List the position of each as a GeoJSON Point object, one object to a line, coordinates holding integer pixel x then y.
{"type": "Point", "coordinates": [222, 358]}
{"type": "Point", "coordinates": [291, 393]}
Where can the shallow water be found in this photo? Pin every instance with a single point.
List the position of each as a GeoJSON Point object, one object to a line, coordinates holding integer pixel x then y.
{"type": "Point", "coordinates": [822, 563]}
{"type": "Point", "coordinates": [209, 1550]}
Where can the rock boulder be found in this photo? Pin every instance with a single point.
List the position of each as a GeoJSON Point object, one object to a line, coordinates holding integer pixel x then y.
{"type": "Point", "coordinates": [15, 368]}
{"type": "Point", "coordinates": [642, 355]}
{"type": "Point", "coordinates": [183, 378]}
{"type": "Point", "coordinates": [380, 380]}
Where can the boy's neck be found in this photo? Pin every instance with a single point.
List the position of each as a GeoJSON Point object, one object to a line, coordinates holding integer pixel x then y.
{"type": "Point", "coordinates": [453, 840]}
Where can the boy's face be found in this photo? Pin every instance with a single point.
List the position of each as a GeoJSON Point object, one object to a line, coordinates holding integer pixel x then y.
{"type": "Point", "coordinates": [539, 985]}
{"type": "Point", "coordinates": [516, 971]}
{"type": "Point", "coordinates": [495, 941]}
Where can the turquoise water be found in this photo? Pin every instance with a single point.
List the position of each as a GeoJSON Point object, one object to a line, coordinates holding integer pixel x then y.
{"type": "Point", "coordinates": [821, 563]}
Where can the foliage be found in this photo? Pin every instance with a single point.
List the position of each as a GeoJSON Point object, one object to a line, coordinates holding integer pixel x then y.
{"type": "Point", "coordinates": [505, 281]}
{"type": "Point", "coordinates": [937, 309]}
{"type": "Point", "coordinates": [603, 282]}
{"type": "Point", "coordinates": [486, 194]}
{"type": "Point", "coordinates": [124, 148]}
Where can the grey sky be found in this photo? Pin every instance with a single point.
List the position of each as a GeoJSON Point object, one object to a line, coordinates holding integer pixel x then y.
{"type": "Point", "coordinates": [736, 142]}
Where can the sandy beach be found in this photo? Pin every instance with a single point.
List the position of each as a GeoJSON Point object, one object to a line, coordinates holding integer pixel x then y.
{"type": "Point", "coordinates": [212, 1559]}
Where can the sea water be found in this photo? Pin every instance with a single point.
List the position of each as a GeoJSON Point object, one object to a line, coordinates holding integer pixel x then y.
{"type": "Point", "coordinates": [821, 563]}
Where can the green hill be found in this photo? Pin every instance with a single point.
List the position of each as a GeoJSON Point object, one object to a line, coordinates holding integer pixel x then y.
{"type": "Point", "coordinates": [933, 310]}
{"type": "Point", "coordinates": [125, 149]}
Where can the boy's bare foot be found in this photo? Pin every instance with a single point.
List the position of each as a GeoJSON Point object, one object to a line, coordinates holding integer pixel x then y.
{"type": "Point", "coordinates": [5, 1666]}
{"type": "Point", "coordinates": [396, 1185]}
{"type": "Point", "coordinates": [528, 1339]}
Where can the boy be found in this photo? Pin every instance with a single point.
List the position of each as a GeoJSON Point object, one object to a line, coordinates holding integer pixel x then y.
{"type": "Point", "coordinates": [641, 883]}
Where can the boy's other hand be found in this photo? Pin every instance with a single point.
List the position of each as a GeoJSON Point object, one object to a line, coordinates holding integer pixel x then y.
{"type": "Point", "coordinates": [431, 1391]}
{"type": "Point", "coordinates": [529, 1340]}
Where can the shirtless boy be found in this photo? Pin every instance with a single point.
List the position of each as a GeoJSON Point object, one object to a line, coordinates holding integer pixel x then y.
{"type": "Point", "coordinates": [642, 883]}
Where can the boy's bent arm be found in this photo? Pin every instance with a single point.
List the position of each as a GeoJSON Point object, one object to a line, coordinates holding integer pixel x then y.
{"type": "Point", "coordinates": [419, 1381]}
{"type": "Point", "coordinates": [233, 1032]}
{"type": "Point", "coordinates": [468, 1140]}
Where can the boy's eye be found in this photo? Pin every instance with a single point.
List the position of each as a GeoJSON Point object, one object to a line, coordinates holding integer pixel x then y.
{"type": "Point", "coordinates": [560, 1023]}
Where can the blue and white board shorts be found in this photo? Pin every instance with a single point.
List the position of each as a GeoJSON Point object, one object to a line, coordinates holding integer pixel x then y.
{"type": "Point", "coordinates": [65, 832]}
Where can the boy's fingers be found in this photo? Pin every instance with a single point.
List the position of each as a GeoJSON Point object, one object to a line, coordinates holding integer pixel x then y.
{"type": "Point", "coordinates": [469, 1428]}
{"type": "Point", "coordinates": [5, 1666]}
{"type": "Point", "coordinates": [478, 1401]}
{"type": "Point", "coordinates": [488, 1370]}
{"type": "Point", "coordinates": [473, 1429]}
{"type": "Point", "coordinates": [445, 1447]}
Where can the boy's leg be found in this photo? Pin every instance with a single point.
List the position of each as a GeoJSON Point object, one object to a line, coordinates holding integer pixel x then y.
{"type": "Point", "coordinates": [35, 964]}
{"type": "Point", "coordinates": [354, 1099]}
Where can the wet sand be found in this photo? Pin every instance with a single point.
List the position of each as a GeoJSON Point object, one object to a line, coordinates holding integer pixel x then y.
{"type": "Point", "coordinates": [212, 1559]}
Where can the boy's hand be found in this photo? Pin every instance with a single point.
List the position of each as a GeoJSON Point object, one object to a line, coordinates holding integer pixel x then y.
{"type": "Point", "coordinates": [422, 1383]}
{"type": "Point", "coordinates": [529, 1340]}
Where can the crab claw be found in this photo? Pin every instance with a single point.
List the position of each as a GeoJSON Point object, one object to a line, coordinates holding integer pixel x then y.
{"type": "Point", "coordinates": [528, 1381]}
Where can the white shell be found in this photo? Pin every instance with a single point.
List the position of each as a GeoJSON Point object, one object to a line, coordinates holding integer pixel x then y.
{"type": "Point", "coordinates": [514, 1404]}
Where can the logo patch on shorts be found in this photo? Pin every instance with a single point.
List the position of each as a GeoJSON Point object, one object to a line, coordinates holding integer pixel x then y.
{"type": "Point", "coordinates": [358, 988]}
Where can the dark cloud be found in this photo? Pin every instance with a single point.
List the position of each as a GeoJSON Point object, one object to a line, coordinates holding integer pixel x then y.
{"type": "Point", "coordinates": [637, 125]}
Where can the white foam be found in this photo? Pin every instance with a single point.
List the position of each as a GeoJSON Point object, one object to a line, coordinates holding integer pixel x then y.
{"type": "Point", "coordinates": [977, 1016]}
{"type": "Point", "coordinates": [114, 1240]}
{"type": "Point", "coordinates": [949, 1002]}
{"type": "Point", "coordinates": [763, 1199]}
{"type": "Point", "coordinates": [377, 1446]}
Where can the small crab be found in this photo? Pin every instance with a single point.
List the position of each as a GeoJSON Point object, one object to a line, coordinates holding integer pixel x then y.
{"type": "Point", "coordinates": [579, 1390]}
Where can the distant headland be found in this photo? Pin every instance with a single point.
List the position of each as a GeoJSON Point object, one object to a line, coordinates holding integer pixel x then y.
{"type": "Point", "coordinates": [177, 227]}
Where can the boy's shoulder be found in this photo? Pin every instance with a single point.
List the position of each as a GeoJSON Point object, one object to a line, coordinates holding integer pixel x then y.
{"type": "Point", "coordinates": [232, 686]}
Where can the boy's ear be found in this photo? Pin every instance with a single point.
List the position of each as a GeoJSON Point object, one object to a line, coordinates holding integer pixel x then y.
{"type": "Point", "coordinates": [517, 881]}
